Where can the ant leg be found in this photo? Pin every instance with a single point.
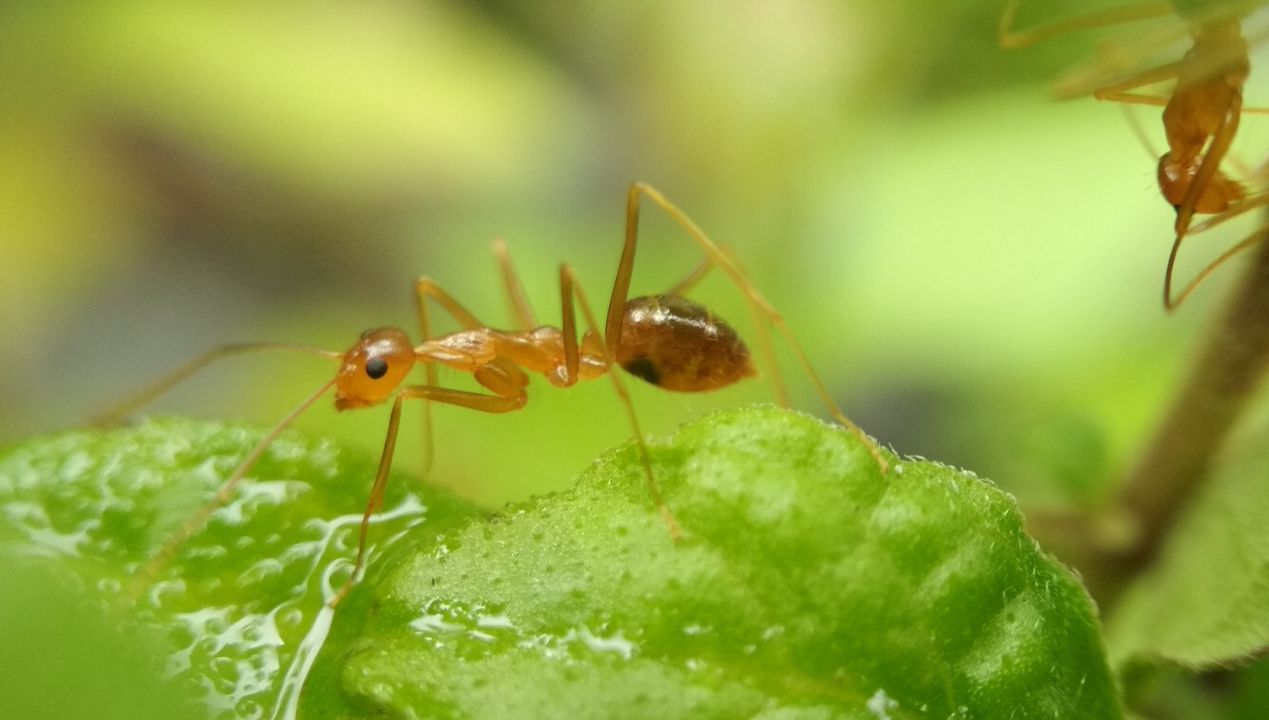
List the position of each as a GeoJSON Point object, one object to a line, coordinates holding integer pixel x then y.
{"type": "Point", "coordinates": [427, 393]}
{"type": "Point", "coordinates": [518, 301]}
{"type": "Point", "coordinates": [1251, 203]}
{"type": "Point", "coordinates": [424, 288]}
{"type": "Point", "coordinates": [1139, 131]}
{"type": "Point", "coordinates": [1121, 91]}
{"type": "Point", "coordinates": [1238, 210]}
{"type": "Point", "coordinates": [1012, 39]}
{"type": "Point", "coordinates": [698, 273]}
{"type": "Point", "coordinates": [149, 572]}
{"type": "Point", "coordinates": [113, 414]}
{"type": "Point", "coordinates": [569, 287]}
{"type": "Point", "coordinates": [1245, 243]}
{"type": "Point", "coordinates": [756, 300]}
{"type": "Point", "coordinates": [760, 326]}
{"type": "Point", "coordinates": [626, 266]}
{"type": "Point", "coordinates": [1118, 64]}
{"type": "Point", "coordinates": [765, 346]}
{"type": "Point", "coordinates": [1129, 98]}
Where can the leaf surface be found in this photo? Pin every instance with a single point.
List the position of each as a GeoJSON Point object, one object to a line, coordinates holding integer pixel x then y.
{"type": "Point", "coordinates": [808, 585]}
{"type": "Point", "coordinates": [241, 606]}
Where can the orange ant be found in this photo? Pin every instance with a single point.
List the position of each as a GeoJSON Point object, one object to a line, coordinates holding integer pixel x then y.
{"type": "Point", "coordinates": [666, 340]}
{"type": "Point", "coordinates": [1200, 117]}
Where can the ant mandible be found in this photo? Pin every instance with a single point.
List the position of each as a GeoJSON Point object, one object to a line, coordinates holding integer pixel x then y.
{"type": "Point", "coordinates": [666, 340]}
{"type": "Point", "coordinates": [1200, 117]}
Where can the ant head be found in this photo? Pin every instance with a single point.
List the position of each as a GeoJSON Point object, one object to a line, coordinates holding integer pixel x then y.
{"type": "Point", "coordinates": [373, 368]}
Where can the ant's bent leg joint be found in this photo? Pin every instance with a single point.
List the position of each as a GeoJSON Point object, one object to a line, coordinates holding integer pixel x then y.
{"type": "Point", "coordinates": [506, 386]}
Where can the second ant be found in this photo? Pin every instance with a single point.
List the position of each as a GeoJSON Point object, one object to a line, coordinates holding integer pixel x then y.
{"type": "Point", "coordinates": [1201, 114]}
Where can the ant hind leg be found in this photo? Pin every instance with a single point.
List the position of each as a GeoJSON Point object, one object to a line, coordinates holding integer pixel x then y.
{"type": "Point", "coordinates": [757, 302]}
{"type": "Point", "coordinates": [765, 345]}
{"type": "Point", "coordinates": [570, 288]}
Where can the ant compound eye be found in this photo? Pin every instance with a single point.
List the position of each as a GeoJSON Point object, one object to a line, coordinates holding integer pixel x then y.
{"type": "Point", "coordinates": [376, 367]}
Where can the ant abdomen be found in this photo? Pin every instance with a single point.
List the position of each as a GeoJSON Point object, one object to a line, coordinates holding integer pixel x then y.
{"type": "Point", "coordinates": [676, 344]}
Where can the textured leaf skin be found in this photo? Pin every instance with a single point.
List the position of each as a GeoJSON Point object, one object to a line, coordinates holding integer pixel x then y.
{"type": "Point", "coordinates": [808, 586]}
{"type": "Point", "coordinates": [1206, 603]}
{"type": "Point", "coordinates": [241, 597]}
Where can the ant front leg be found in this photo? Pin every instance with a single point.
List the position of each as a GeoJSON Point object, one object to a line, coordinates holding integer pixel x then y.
{"type": "Point", "coordinates": [510, 396]}
{"type": "Point", "coordinates": [424, 288]}
{"type": "Point", "coordinates": [757, 302]}
{"type": "Point", "coordinates": [148, 573]}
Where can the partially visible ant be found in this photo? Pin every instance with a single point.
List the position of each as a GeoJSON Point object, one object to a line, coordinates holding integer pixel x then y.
{"type": "Point", "coordinates": [666, 340]}
{"type": "Point", "coordinates": [1200, 116]}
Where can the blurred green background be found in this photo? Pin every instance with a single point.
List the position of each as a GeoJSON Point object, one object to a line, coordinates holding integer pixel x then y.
{"type": "Point", "coordinates": [973, 267]}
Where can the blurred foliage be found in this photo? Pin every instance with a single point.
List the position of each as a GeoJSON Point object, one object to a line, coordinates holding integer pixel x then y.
{"type": "Point", "coordinates": [975, 269]}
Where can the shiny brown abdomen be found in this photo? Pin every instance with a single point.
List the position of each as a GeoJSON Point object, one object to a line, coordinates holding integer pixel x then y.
{"type": "Point", "coordinates": [675, 344]}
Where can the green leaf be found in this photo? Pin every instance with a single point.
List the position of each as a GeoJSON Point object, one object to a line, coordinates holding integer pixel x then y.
{"type": "Point", "coordinates": [809, 585]}
{"type": "Point", "coordinates": [241, 606]}
{"type": "Point", "coordinates": [1206, 602]}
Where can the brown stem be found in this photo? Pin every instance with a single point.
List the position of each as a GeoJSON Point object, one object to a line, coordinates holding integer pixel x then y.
{"type": "Point", "coordinates": [1176, 459]}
